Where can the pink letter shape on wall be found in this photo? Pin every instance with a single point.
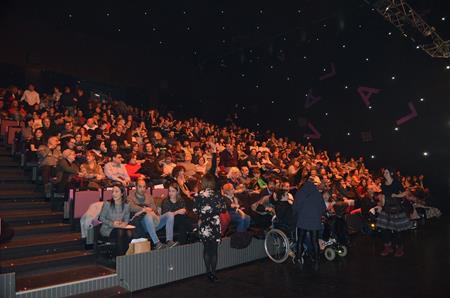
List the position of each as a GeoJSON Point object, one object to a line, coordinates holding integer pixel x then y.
{"type": "Point", "coordinates": [315, 134]}
{"type": "Point", "coordinates": [366, 93]}
{"type": "Point", "coordinates": [311, 99]}
{"type": "Point", "coordinates": [331, 74]}
{"type": "Point", "coordinates": [411, 115]}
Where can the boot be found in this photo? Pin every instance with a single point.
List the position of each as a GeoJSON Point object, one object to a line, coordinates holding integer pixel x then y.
{"type": "Point", "coordinates": [387, 250]}
{"type": "Point", "coordinates": [399, 252]}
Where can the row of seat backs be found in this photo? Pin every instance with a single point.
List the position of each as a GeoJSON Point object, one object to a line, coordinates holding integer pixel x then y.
{"type": "Point", "coordinates": [80, 200]}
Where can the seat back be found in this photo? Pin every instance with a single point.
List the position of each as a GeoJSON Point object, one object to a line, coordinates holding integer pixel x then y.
{"type": "Point", "coordinates": [107, 194]}
{"type": "Point", "coordinates": [157, 193]}
{"type": "Point", "coordinates": [12, 130]}
{"type": "Point", "coordinates": [82, 200]}
{"type": "Point", "coordinates": [5, 124]}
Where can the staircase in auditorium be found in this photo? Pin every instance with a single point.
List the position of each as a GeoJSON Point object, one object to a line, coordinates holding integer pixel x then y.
{"type": "Point", "coordinates": [45, 251]}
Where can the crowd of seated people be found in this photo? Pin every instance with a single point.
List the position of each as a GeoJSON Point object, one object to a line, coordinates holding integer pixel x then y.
{"type": "Point", "coordinates": [79, 141]}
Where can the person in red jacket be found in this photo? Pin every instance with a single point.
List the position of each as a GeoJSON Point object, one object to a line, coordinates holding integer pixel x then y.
{"type": "Point", "coordinates": [133, 167]}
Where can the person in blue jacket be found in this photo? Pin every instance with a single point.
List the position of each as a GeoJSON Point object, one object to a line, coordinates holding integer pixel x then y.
{"type": "Point", "coordinates": [308, 208]}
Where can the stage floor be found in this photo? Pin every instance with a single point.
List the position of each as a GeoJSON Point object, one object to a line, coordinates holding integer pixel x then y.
{"type": "Point", "coordinates": [423, 272]}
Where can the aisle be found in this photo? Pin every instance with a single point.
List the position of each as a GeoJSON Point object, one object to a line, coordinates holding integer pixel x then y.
{"type": "Point", "coordinates": [423, 272]}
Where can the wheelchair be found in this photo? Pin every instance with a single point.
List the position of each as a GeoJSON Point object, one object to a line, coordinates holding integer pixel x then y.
{"type": "Point", "coordinates": [281, 243]}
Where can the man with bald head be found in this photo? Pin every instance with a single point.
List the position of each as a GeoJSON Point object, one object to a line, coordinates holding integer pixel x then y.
{"type": "Point", "coordinates": [49, 155]}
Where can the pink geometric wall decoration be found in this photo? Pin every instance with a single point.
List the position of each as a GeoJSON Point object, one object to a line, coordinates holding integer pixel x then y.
{"type": "Point", "coordinates": [315, 133]}
{"type": "Point", "coordinates": [330, 74]}
{"type": "Point", "coordinates": [366, 93]}
{"type": "Point", "coordinates": [412, 114]}
{"type": "Point", "coordinates": [311, 99]}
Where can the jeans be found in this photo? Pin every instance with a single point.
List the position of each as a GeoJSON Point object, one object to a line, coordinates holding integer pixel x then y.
{"type": "Point", "coordinates": [167, 220]}
{"type": "Point", "coordinates": [241, 219]}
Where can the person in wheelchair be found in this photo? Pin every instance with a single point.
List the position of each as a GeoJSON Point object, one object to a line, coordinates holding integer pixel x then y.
{"type": "Point", "coordinates": [282, 200]}
{"type": "Point", "coordinates": [335, 220]}
{"type": "Point", "coordinates": [237, 214]}
{"type": "Point", "coordinates": [262, 212]}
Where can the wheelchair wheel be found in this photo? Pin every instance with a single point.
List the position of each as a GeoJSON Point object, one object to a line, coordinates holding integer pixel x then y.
{"type": "Point", "coordinates": [342, 251]}
{"type": "Point", "coordinates": [329, 253]}
{"type": "Point", "coordinates": [276, 245]}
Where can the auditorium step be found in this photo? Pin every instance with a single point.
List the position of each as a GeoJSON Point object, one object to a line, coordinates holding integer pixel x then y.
{"type": "Point", "coordinates": [14, 178]}
{"type": "Point", "coordinates": [27, 217]}
{"type": "Point", "coordinates": [42, 229]}
{"type": "Point", "coordinates": [11, 171]}
{"type": "Point", "coordinates": [20, 194]}
{"type": "Point", "coordinates": [36, 262]}
{"type": "Point", "coordinates": [15, 186]}
{"type": "Point", "coordinates": [20, 247]}
{"type": "Point", "coordinates": [54, 276]}
{"type": "Point", "coordinates": [35, 204]}
{"type": "Point", "coordinates": [9, 163]}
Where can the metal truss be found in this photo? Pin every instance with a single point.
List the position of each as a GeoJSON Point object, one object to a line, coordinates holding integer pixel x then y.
{"type": "Point", "coordinates": [410, 23]}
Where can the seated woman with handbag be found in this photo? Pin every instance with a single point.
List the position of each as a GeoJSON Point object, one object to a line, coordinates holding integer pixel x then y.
{"type": "Point", "coordinates": [176, 205]}
{"type": "Point", "coordinates": [115, 216]}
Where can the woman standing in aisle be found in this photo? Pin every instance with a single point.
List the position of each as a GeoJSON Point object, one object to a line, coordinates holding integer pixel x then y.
{"type": "Point", "coordinates": [208, 206]}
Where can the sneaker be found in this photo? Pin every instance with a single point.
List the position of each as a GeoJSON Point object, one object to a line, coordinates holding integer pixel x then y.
{"type": "Point", "coordinates": [171, 244]}
{"type": "Point", "coordinates": [210, 277]}
{"type": "Point", "coordinates": [159, 246]}
{"type": "Point", "coordinates": [214, 277]}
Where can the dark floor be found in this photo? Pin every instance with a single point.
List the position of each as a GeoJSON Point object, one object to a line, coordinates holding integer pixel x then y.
{"type": "Point", "coordinates": [423, 272]}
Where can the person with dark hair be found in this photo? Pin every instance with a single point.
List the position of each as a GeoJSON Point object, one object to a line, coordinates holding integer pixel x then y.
{"type": "Point", "coordinates": [229, 157]}
{"type": "Point", "coordinates": [178, 175]}
{"type": "Point", "coordinates": [308, 208]}
{"type": "Point", "coordinates": [392, 218]}
{"type": "Point", "coordinates": [115, 216]}
{"type": "Point", "coordinates": [141, 202]}
{"type": "Point", "coordinates": [116, 171]}
{"type": "Point", "coordinates": [176, 205]}
{"type": "Point", "coordinates": [67, 101]}
{"type": "Point", "coordinates": [31, 97]}
{"type": "Point", "coordinates": [208, 206]}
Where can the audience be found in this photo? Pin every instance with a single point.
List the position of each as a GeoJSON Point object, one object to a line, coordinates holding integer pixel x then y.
{"type": "Point", "coordinates": [258, 172]}
{"type": "Point", "coordinates": [142, 203]}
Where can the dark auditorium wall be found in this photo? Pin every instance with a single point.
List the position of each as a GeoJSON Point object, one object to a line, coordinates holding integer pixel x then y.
{"type": "Point", "coordinates": [38, 42]}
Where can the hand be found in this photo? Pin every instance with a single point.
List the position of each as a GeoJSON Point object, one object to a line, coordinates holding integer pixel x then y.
{"type": "Point", "coordinates": [270, 209]}
{"type": "Point", "coordinates": [148, 210]}
{"type": "Point", "coordinates": [181, 211]}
